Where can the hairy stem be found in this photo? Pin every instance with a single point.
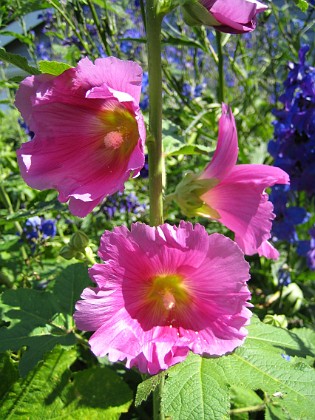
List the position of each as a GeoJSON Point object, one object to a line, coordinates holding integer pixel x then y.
{"type": "Point", "coordinates": [154, 143]}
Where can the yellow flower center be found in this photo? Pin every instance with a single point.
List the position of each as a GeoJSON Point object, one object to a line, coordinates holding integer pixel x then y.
{"type": "Point", "coordinates": [167, 292]}
{"type": "Point", "coordinates": [120, 128]}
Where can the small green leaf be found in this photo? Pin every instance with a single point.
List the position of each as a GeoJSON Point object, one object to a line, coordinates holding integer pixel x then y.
{"type": "Point", "coordinates": [190, 149]}
{"type": "Point", "coordinates": [17, 61]}
{"type": "Point", "coordinates": [302, 4]}
{"type": "Point", "coordinates": [174, 143]}
{"type": "Point", "coordinates": [8, 242]}
{"type": "Point", "coordinates": [53, 67]}
{"type": "Point", "coordinates": [146, 387]}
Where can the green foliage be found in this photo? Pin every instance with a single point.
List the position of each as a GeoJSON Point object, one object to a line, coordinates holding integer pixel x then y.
{"type": "Point", "coordinates": [199, 388]}
{"type": "Point", "coordinates": [53, 67]}
{"type": "Point", "coordinates": [17, 61]}
{"type": "Point", "coordinates": [174, 143]}
{"type": "Point", "coordinates": [146, 387]}
{"type": "Point", "coordinates": [52, 390]}
{"type": "Point", "coordinates": [39, 320]}
{"type": "Point", "coordinates": [302, 4]}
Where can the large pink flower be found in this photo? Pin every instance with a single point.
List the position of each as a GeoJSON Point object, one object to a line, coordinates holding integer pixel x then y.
{"type": "Point", "coordinates": [231, 16]}
{"type": "Point", "coordinates": [162, 292]}
{"type": "Point", "coordinates": [234, 194]}
{"type": "Point", "coordinates": [89, 131]}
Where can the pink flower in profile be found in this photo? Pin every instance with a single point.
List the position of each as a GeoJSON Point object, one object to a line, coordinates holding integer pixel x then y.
{"type": "Point", "coordinates": [162, 292]}
{"type": "Point", "coordinates": [230, 16]}
{"type": "Point", "coordinates": [89, 131]}
{"type": "Point", "coordinates": [233, 194]}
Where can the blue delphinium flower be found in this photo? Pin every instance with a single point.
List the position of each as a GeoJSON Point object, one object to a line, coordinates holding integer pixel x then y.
{"type": "Point", "coordinates": [284, 277]}
{"type": "Point", "coordinates": [37, 229]}
{"type": "Point", "coordinates": [25, 127]}
{"type": "Point", "coordinates": [144, 103]}
{"type": "Point", "coordinates": [43, 50]}
{"type": "Point", "coordinates": [120, 203]}
{"type": "Point", "coordinates": [283, 227]}
{"type": "Point", "coordinates": [293, 147]}
{"type": "Point", "coordinates": [144, 173]}
{"type": "Point", "coordinates": [306, 248]}
{"type": "Point", "coordinates": [127, 46]}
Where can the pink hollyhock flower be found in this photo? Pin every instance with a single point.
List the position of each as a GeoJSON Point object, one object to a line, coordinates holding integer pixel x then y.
{"type": "Point", "coordinates": [231, 16]}
{"type": "Point", "coordinates": [164, 291]}
{"type": "Point", "coordinates": [89, 131]}
{"type": "Point", "coordinates": [233, 194]}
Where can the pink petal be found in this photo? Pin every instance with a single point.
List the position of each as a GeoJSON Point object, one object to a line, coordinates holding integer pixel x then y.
{"type": "Point", "coordinates": [225, 155]}
{"type": "Point", "coordinates": [120, 75]}
{"type": "Point", "coordinates": [70, 151]}
{"type": "Point", "coordinates": [268, 251]}
{"type": "Point", "coordinates": [261, 175]}
{"type": "Point", "coordinates": [128, 326]}
{"type": "Point", "coordinates": [237, 15]}
{"type": "Point", "coordinates": [243, 206]}
{"type": "Point", "coordinates": [245, 211]}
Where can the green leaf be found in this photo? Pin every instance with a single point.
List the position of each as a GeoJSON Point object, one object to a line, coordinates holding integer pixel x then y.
{"type": "Point", "coordinates": [53, 67]}
{"type": "Point", "coordinates": [174, 143]}
{"type": "Point", "coordinates": [189, 149]}
{"type": "Point", "coordinates": [302, 4]}
{"type": "Point", "coordinates": [199, 388]}
{"type": "Point", "coordinates": [146, 387]}
{"type": "Point", "coordinates": [9, 373]}
{"type": "Point", "coordinates": [97, 393]}
{"type": "Point", "coordinates": [306, 340]}
{"type": "Point", "coordinates": [40, 320]}
{"type": "Point", "coordinates": [53, 391]}
{"type": "Point", "coordinates": [297, 342]}
{"type": "Point", "coordinates": [195, 392]}
{"type": "Point", "coordinates": [38, 396]}
{"type": "Point", "coordinates": [7, 241]}
{"type": "Point", "coordinates": [17, 61]}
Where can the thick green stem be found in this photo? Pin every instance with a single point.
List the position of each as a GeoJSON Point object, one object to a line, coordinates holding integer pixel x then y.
{"type": "Point", "coordinates": [154, 141]}
{"type": "Point", "coordinates": [220, 67]}
{"type": "Point", "coordinates": [157, 393]}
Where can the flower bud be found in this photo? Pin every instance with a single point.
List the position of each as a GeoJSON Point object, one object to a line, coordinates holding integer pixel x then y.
{"type": "Point", "coordinates": [79, 240]}
{"type": "Point", "coordinates": [67, 252]}
{"type": "Point", "coordinates": [276, 320]}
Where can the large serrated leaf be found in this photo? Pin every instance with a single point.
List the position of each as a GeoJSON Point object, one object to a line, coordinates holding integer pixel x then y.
{"type": "Point", "coordinates": [52, 391]}
{"type": "Point", "coordinates": [38, 396]}
{"type": "Point", "coordinates": [97, 393]}
{"type": "Point", "coordinates": [17, 61]}
{"type": "Point", "coordinates": [297, 342]}
{"type": "Point", "coordinates": [40, 320]}
{"type": "Point", "coordinates": [289, 386]}
{"type": "Point", "coordinates": [195, 392]}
